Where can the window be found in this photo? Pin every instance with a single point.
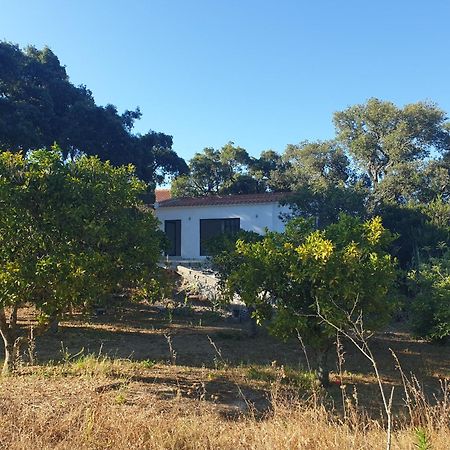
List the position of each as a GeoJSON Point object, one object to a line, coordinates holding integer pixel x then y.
{"type": "Point", "coordinates": [210, 228]}
{"type": "Point", "coordinates": [172, 228]}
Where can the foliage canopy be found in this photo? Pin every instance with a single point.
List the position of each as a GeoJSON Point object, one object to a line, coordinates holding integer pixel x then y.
{"type": "Point", "coordinates": [40, 106]}
{"type": "Point", "coordinates": [344, 270]}
{"type": "Point", "coordinates": [71, 233]}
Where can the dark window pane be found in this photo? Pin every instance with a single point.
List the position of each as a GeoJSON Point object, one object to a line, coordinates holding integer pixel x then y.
{"type": "Point", "coordinates": [172, 228]}
{"type": "Point", "coordinates": [210, 228]}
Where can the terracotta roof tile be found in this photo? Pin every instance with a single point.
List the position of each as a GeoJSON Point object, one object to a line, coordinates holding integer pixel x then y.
{"type": "Point", "coordinates": [162, 195]}
{"type": "Point", "coordinates": [267, 197]}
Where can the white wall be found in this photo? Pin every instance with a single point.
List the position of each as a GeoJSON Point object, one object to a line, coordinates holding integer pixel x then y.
{"type": "Point", "coordinates": [254, 217]}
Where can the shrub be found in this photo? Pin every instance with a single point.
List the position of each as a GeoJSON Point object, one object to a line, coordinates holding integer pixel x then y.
{"type": "Point", "coordinates": [431, 303]}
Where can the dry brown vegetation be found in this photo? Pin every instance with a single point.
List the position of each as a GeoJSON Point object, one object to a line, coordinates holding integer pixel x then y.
{"type": "Point", "coordinates": [241, 398]}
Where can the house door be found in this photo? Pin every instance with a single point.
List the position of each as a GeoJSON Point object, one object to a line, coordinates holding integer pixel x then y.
{"type": "Point", "coordinates": [172, 228]}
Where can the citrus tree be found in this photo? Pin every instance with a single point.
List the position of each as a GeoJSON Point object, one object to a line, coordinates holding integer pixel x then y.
{"type": "Point", "coordinates": [71, 233]}
{"type": "Point", "coordinates": [299, 277]}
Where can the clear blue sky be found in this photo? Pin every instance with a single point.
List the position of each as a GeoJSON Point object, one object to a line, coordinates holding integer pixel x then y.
{"type": "Point", "coordinates": [260, 73]}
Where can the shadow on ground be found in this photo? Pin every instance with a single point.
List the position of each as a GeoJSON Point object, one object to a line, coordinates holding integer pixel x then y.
{"type": "Point", "coordinates": [201, 338]}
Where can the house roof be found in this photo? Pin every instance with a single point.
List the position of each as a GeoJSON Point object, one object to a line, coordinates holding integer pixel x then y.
{"type": "Point", "coordinates": [267, 197]}
{"type": "Point", "coordinates": [162, 194]}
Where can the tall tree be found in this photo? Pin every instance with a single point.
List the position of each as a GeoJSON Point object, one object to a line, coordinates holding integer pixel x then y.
{"type": "Point", "coordinates": [39, 106]}
{"type": "Point", "coordinates": [322, 180]}
{"type": "Point", "coordinates": [320, 163]}
{"type": "Point", "coordinates": [262, 167]}
{"type": "Point", "coordinates": [378, 135]}
{"type": "Point", "coordinates": [207, 175]}
{"type": "Point", "coordinates": [218, 172]}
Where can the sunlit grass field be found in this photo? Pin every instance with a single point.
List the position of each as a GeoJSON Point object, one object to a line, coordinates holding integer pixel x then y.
{"type": "Point", "coordinates": [145, 376]}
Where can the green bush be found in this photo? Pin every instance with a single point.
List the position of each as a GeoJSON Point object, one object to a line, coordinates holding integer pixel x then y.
{"type": "Point", "coordinates": [431, 303]}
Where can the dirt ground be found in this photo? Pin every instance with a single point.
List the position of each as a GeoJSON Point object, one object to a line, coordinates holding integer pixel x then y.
{"type": "Point", "coordinates": [198, 352]}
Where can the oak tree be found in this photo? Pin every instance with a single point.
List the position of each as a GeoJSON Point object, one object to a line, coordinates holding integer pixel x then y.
{"type": "Point", "coordinates": [40, 106]}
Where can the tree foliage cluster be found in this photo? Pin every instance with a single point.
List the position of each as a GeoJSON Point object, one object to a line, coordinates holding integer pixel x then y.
{"type": "Point", "coordinates": [344, 271]}
{"type": "Point", "coordinates": [72, 230]}
{"type": "Point", "coordinates": [71, 233]}
{"type": "Point", "coordinates": [382, 154]}
{"type": "Point", "coordinates": [40, 106]}
{"type": "Point", "coordinates": [386, 162]}
{"type": "Point", "coordinates": [430, 285]}
{"type": "Point", "coordinates": [229, 170]}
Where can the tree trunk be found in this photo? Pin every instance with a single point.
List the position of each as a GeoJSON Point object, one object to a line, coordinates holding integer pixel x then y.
{"type": "Point", "coordinates": [53, 323]}
{"type": "Point", "coordinates": [8, 333]}
{"type": "Point", "coordinates": [9, 363]}
{"type": "Point", "coordinates": [323, 371]}
{"type": "Point", "coordinates": [13, 342]}
{"type": "Point", "coordinates": [253, 326]}
{"type": "Point", "coordinates": [253, 329]}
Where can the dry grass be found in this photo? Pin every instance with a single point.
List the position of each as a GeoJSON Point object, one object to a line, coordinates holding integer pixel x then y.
{"type": "Point", "coordinates": [97, 403]}
{"type": "Point", "coordinates": [240, 400]}
{"type": "Point", "coordinates": [82, 405]}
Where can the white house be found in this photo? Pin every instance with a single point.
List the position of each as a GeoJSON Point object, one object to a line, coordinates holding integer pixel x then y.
{"type": "Point", "coordinates": [190, 222]}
